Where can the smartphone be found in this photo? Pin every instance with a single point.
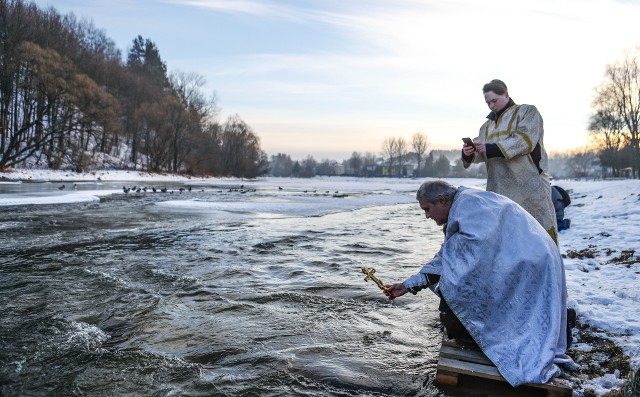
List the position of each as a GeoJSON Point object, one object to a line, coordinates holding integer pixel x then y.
{"type": "Point", "coordinates": [468, 142]}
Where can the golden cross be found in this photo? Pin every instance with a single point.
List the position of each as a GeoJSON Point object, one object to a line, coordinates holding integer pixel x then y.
{"type": "Point", "coordinates": [369, 276]}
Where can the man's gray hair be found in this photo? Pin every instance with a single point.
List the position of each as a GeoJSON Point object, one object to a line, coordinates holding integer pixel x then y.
{"type": "Point", "coordinates": [431, 190]}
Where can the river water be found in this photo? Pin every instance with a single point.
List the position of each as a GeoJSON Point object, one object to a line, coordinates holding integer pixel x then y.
{"type": "Point", "coordinates": [227, 290]}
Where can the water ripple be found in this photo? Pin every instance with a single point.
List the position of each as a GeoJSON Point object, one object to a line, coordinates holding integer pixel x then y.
{"type": "Point", "coordinates": [126, 297]}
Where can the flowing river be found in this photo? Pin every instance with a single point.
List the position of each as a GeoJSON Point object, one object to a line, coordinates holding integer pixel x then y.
{"type": "Point", "coordinates": [225, 290]}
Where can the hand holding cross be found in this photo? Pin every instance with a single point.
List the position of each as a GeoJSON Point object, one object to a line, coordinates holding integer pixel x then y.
{"type": "Point", "coordinates": [370, 276]}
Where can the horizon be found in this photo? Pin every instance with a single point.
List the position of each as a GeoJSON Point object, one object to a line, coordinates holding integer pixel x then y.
{"type": "Point", "coordinates": [329, 78]}
{"type": "Point", "coordinates": [300, 156]}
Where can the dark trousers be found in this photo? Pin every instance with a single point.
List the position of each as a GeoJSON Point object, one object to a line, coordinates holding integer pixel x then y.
{"type": "Point", "coordinates": [455, 330]}
{"type": "Point", "coordinates": [452, 326]}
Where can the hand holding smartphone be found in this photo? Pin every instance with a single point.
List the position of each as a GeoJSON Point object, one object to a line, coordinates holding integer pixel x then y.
{"type": "Point", "coordinates": [469, 142]}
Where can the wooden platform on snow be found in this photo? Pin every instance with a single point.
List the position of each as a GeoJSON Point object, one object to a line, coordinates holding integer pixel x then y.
{"type": "Point", "coordinates": [456, 364]}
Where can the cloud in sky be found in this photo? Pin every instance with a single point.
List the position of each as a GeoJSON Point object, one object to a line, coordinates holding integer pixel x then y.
{"type": "Point", "coordinates": [330, 77]}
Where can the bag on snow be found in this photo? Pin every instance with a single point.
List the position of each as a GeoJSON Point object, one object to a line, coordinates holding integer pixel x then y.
{"type": "Point", "coordinates": [565, 196]}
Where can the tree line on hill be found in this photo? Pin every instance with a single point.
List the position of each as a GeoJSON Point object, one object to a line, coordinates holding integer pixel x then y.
{"type": "Point", "coordinates": [580, 163]}
{"type": "Point", "coordinates": [399, 158]}
{"type": "Point", "coordinates": [436, 164]}
{"type": "Point", "coordinates": [69, 99]}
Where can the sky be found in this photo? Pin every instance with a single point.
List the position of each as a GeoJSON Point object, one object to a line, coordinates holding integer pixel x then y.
{"type": "Point", "coordinates": [604, 293]}
{"type": "Point", "coordinates": [328, 77]}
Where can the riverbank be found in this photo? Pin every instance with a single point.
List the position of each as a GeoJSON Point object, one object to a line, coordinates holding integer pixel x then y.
{"type": "Point", "coordinates": [43, 175]}
{"type": "Point", "coordinates": [600, 250]}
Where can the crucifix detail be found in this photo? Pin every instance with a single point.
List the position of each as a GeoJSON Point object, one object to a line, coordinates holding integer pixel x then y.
{"type": "Point", "coordinates": [370, 276]}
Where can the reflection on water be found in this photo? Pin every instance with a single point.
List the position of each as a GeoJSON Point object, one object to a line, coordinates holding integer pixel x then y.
{"type": "Point", "coordinates": [184, 295]}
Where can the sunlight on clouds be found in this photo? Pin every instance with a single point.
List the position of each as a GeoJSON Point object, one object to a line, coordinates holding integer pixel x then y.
{"type": "Point", "coordinates": [240, 6]}
{"type": "Point", "coordinates": [423, 64]}
{"type": "Point", "coordinates": [257, 8]}
{"type": "Point", "coordinates": [415, 79]}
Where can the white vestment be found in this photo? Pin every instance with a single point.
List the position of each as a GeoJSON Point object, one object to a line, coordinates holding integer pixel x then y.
{"type": "Point", "coordinates": [503, 277]}
{"type": "Point", "coordinates": [519, 132]}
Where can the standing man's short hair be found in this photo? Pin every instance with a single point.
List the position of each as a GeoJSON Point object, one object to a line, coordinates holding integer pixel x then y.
{"type": "Point", "coordinates": [495, 85]}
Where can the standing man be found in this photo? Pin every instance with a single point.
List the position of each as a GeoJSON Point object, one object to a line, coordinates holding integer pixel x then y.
{"type": "Point", "coordinates": [510, 143]}
{"type": "Point", "coordinates": [501, 279]}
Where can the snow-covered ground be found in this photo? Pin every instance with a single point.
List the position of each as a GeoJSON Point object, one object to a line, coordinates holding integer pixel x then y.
{"type": "Point", "coordinates": [602, 262]}
{"type": "Point", "coordinates": [601, 249]}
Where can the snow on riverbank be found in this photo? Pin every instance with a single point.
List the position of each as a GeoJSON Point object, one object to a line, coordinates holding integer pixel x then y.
{"type": "Point", "coordinates": [602, 261]}
{"type": "Point", "coordinates": [601, 249]}
{"type": "Point", "coordinates": [41, 175]}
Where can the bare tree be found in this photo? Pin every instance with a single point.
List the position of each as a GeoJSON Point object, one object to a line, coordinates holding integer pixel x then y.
{"type": "Point", "coordinates": [420, 145]}
{"type": "Point", "coordinates": [37, 75]}
{"type": "Point", "coordinates": [206, 158]}
{"type": "Point", "coordinates": [607, 131]}
{"type": "Point", "coordinates": [621, 92]}
{"type": "Point", "coordinates": [369, 164]}
{"type": "Point", "coordinates": [401, 154]}
{"type": "Point", "coordinates": [241, 153]}
{"type": "Point", "coordinates": [157, 131]}
{"type": "Point", "coordinates": [355, 162]}
{"type": "Point", "coordinates": [188, 87]}
{"type": "Point", "coordinates": [394, 150]}
{"type": "Point", "coordinates": [580, 160]}
{"type": "Point", "coordinates": [197, 110]}
{"type": "Point", "coordinates": [389, 152]}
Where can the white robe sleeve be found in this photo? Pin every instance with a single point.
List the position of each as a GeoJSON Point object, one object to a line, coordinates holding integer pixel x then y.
{"type": "Point", "coordinates": [434, 266]}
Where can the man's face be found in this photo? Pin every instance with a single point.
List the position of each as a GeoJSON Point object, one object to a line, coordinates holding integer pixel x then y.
{"type": "Point", "coordinates": [438, 211]}
{"type": "Point", "coordinates": [496, 102]}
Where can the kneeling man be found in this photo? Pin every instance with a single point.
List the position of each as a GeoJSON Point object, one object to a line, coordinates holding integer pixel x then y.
{"type": "Point", "coordinates": [500, 277]}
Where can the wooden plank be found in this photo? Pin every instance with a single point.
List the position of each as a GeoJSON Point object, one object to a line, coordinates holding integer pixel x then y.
{"type": "Point", "coordinates": [446, 378]}
{"type": "Point", "coordinates": [467, 368]}
{"type": "Point", "coordinates": [554, 388]}
{"type": "Point", "coordinates": [560, 393]}
{"type": "Point", "coordinates": [454, 360]}
{"type": "Point", "coordinates": [474, 356]}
